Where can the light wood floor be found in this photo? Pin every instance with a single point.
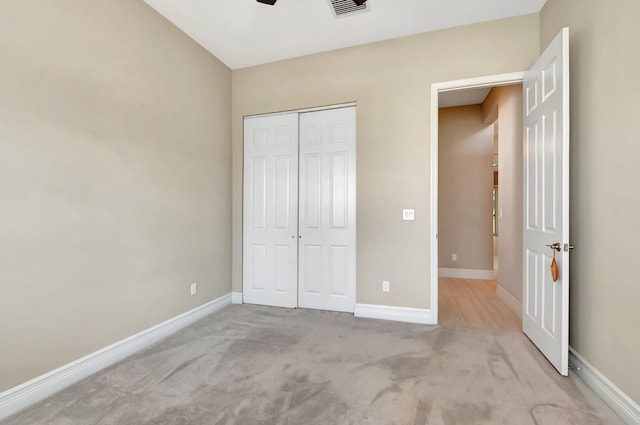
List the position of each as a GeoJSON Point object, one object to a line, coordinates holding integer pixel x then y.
{"type": "Point", "coordinates": [474, 304]}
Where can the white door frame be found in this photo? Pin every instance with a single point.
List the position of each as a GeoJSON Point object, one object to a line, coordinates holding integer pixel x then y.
{"type": "Point", "coordinates": [303, 110]}
{"type": "Point", "coordinates": [436, 88]}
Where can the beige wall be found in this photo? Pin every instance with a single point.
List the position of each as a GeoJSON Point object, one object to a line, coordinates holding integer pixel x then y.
{"type": "Point", "coordinates": [605, 200]}
{"type": "Point", "coordinates": [390, 81]}
{"type": "Point", "coordinates": [505, 105]}
{"type": "Point", "coordinates": [465, 187]}
{"type": "Point", "coordinates": [115, 175]}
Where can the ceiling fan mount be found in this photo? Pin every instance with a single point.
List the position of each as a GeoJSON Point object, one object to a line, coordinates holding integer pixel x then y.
{"type": "Point", "coordinates": [272, 2]}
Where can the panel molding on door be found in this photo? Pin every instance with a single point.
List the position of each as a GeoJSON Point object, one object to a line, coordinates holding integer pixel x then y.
{"type": "Point", "coordinates": [270, 217]}
{"type": "Point", "coordinates": [327, 222]}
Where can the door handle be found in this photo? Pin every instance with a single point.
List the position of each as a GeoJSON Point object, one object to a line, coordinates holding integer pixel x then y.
{"type": "Point", "coordinates": [555, 246]}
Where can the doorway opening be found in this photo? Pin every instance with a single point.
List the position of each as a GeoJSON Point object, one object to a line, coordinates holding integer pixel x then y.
{"type": "Point", "coordinates": [476, 188]}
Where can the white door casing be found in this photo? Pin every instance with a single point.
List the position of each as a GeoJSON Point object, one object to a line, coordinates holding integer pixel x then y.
{"type": "Point", "coordinates": [546, 202]}
{"type": "Point", "coordinates": [270, 213]}
{"type": "Point", "coordinates": [327, 211]}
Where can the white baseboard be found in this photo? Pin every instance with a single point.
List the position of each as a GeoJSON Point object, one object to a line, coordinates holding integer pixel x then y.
{"type": "Point", "coordinates": [399, 314]}
{"type": "Point", "coordinates": [619, 402]}
{"type": "Point", "coordinates": [513, 303]}
{"type": "Point", "coordinates": [236, 298]}
{"type": "Point", "coordinates": [15, 399]}
{"type": "Point", "coordinates": [467, 273]}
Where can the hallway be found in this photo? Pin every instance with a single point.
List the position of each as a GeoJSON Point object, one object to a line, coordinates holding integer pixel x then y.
{"type": "Point", "coordinates": [473, 303]}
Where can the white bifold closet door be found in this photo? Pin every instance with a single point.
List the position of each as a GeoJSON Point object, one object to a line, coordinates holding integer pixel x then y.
{"type": "Point", "coordinates": [327, 213]}
{"type": "Point", "coordinates": [270, 217]}
{"type": "Point", "coordinates": [299, 210]}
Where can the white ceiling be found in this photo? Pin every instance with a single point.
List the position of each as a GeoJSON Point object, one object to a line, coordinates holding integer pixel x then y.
{"type": "Point", "coordinates": [463, 97]}
{"type": "Point", "coordinates": [244, 33]}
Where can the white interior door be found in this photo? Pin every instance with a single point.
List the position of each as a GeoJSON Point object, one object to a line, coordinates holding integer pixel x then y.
{"type": "Point", "coordinates": [546, 198]}
{"type": "Point", "coordinates": [270, 210]}
{"type": "Point", "coordinates": [327, 221]}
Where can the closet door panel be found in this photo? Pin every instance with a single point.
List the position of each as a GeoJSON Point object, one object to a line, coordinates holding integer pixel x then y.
{"type": "Point", "coordinates": [258, 187]}
{"type": "Point", "coordinates": [327, 256]}
{"type": "Point", "coordinates": [339, 207]}
{"type": "Point", "coordinates": [311, 193]}
{"type": "Point", "coordinates": [270, 229]}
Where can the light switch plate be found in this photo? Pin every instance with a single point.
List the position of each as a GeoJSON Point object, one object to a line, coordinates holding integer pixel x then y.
{"type": "Point", "coordinates": [408, 215]}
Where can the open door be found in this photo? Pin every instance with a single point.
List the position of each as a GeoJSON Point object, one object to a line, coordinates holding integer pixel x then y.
{"type": "Point", "coordinates": [546, 202]}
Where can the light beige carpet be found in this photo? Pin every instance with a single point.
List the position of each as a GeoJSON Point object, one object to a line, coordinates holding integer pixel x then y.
{"type": "Point", "coordinates": [259, 365]}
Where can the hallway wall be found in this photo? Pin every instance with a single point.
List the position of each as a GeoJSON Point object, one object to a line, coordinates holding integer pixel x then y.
{"type": "Point", "coordinates": [465, 156]}
{"type": "Point", "coordinates": [504, 104]}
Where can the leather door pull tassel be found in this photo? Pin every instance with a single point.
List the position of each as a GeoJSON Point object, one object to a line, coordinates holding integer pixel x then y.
{"type": "Point", "coordinates": [554, 269]}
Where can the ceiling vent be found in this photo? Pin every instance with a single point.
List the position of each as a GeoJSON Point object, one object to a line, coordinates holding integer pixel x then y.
{"type": "Point", "coordinates": [343, 8]}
